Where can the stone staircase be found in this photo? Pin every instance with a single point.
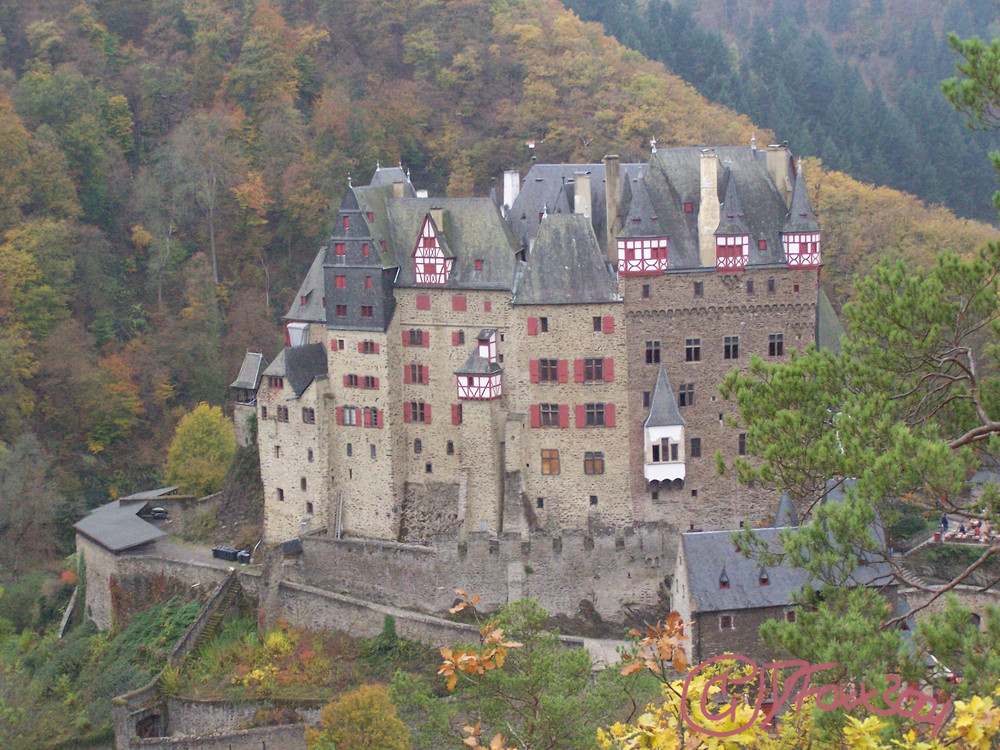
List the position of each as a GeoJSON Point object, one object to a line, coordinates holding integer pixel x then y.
{"type": "Point", "coordinates": [907, 576]}
{"type": "Point", "coordinates": [220, 608]}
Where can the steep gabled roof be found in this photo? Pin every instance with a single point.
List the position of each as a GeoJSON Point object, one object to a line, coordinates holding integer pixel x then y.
{"type": "Point", "coordinates": [732, 220]}
{"type": "Point", "coordinates": [663, 411]}
{"type": "Point", "coordinates": [301, 365]}
{"type": "Point", "coordinates": [566, 266]}
{"type": "Point", "coordinates": [311, 290]}
{"type": "Point", "coordinates": [801, 217]}
{"type": "Point", "coordinates": [473, 229]}
{"type": "Point", "coordinates": [786, 515]}
{"type": "Point", "coordinates": [828, 326]}
{"type": "Point", "coordinates": [251, 372]}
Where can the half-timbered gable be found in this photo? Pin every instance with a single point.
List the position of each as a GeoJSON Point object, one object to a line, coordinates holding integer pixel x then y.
{"type": "Point", "coordinates": [481, 377]}
{"type": "Point", "coordinates": [800, 234]}
{"type": "Point", "coordinates": [431, 265]}
{"type": "Point", "coordinates": [732, 238]}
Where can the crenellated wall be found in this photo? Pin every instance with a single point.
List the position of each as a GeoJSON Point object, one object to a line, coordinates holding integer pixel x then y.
{"type": "Point", "coordinates": [612, 572]}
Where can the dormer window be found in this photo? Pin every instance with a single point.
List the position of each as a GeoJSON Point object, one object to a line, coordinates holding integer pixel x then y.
{"type": "Point", "coordinates": [723, 579]}
{"type": "Point", "coordinates": [762, 578]}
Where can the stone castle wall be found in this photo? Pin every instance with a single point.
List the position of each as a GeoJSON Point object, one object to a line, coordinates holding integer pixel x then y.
{"type": "Point", "coordinates": [613, 573]}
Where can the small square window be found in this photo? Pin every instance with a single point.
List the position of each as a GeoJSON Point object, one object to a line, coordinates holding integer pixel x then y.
{"type": "Point", "coordinates": [742, 444]}
{"type": "Point", "coordinates": [263, 412]}
{"type": "Point", "coordinates": [699, 288]}
{"type": "Point", "coordinates": [449, 448]}
{"type": "Point", "coordinates": [685, 395]}
{"type": "Point", "coordinates": [593, 499]}
{"type": "Point", "coordinates": [762, 244]}
{"type": "Point", "coordinates": [593, 462]}
{"type": "Point", "coordinates": [726, 622]}
{"type": "Point", "coordinates": [776, 345]}
{"type": "Point", "coordinates": [654, 495]}
{"type": "Point", "coordinates": [692, 350]}
{"type": "Point", "coordinates": [479, 264]}
{"type": "Point", "coordinates": [790, 615]}
{"type": "Point", "coordinates": [309, 455]}
{"type": "Point", "coordinates": [540, 502]}
{"type": "Point", "coordinates": [374, 452]}
{"type": "Point", "coordinates": [340, 345]}
{"type": "Point", "coordinates": [350, 449]}
{"type": "Point", "coordinates": [695, 452]}
{"type": "Point", "coordinates": [368, 282]}
{"type": "Point", "coordinates": [652, 352]}
{"type": "Point", "coordinates": [770, 286]}
{"type": "Point", "coordinates": [646, 395]}
{"type": "Point", "coordinates": [694, 493]}
{"type": "Point", "coordinates": [366, 311]}
{"type": "Point", "coordinates": [550, 461]}
{"type": "Point", "coordinates": [688, 207]}
{"type": "Point", "coordinates": [597, 324]}
{"type": "Point", "coordinates": [731, 347]}
{"type": "Point", "coordinates": [281, 495]}
{"type": "Point", "coordinates": [795, 288]}
{"type": "Point", "coordinates": [543, 325]}
{"type": "Point", "coordinates": [277, 451]}
{"type": "Point", "coordinates": [749, 286]}
{"type": "Point", "coordinates": [341, 311]}
{"type": "Point", "coordinates": [645, 291]}
{"type": "Point", "coordinates": [428, 468]}
{"type": "Point", "coordinates": [302, 483]}
{"type": "Point", "coordinates": [418, 446]}
{"type": "Point", "coordinates": [309, 508]}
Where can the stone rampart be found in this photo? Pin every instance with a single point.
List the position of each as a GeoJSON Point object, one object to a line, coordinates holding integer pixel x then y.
{"type": "Point", "coordinates": [613, 572]}
{"type": "Point", "coordinates": [288, 737]}
{"type": "Point", "coordinates": [196, 717]}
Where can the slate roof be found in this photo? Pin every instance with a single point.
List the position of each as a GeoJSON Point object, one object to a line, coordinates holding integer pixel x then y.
{"type": "Point", "coordinates": [251, 372]}
{"type": "Point", "coordinates": [674, 177]}
{"type": "Point", "coordinates": [801, 217]}
{"type": "Point", "coordinates": [300, 365]}
{"type": "Point", "coordinates": [116, 527]}
{"type": "Point", "coordinates": [732, 220]}
{"type": "Point", "coordinates": [476, 365]}
{"type": "Point", "coordinates": [663, 411]}
{"type": "Point", "coordinates": [828, 326]}
{"type": "Point", "coordinates": [786, 515]}
{"type": "Point", "coordinates": [541, 188]}
{"type": "Point", "coordinates": [565, 266]}
{"type": "Point", "coordinates": [709, 553]}
{"type": "Point", "coordinates": [149, 494]}
{"type": "Point", "coordinates": [312, 288]}
{"type": "Point", "coordinates": [473, 230]}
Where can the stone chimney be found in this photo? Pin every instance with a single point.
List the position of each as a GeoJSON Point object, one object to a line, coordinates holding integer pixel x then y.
{"type": "Point", "coordinates": [779, 166]}
{"type": "Point", "coordinates": [708, 208]}
{"type": "Point", "coordinates": [581, 194]}
{"type": "Point", "coordinates": [397, 190]}
{"type": "Point", "coordinates": [511, 187]}
{"type": "Point", "coordinates": [613, 199]}
{"type": "Point", "coordinates": [438, 215]}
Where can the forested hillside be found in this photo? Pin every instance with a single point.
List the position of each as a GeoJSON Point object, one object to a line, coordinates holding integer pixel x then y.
{"type": "Point", "coordinates": [854, 82]}
{"type": "Point", "coordinates": [168, 171]}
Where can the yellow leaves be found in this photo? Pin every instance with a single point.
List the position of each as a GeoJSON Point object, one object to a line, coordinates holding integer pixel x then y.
{"type": "Point", "coordinates": [863, 734]}
{"type": "Point", "coordinates": [976, 724]}
{"type": "Point", "coordinates": [141, 237]}
{"type": "Point", "coordinates": [658, 648]}
{"type": "Point", "coordinates": [252, 196]}
{"type": "Point", "coordinates": [473, 741]}
{"type": "Point", "coordinates": [474, 663]}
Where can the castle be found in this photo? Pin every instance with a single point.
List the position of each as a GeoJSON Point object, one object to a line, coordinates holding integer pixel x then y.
{"type": "Point", "coordinates": [544, 362]}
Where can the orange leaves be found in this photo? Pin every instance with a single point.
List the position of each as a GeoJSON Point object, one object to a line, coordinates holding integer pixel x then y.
{"type": "Point", "coordinates": [472, 662]}
{"type": "Point", "coordinates": [473, 741]}
{"type": "Point", "coordinates": [659, 648]}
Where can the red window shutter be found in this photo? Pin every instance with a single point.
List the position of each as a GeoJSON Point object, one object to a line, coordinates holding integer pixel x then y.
{"type": "Point", "coordinates": [361, 348]}
{"type": "Point", "coordinates": [368, 418]}
{"type": "Point", "coordinates": [423, 302]}
{"type": "Point", "coordinates": [563, 371]}
{"type": "Point", "coordinates": [487, 306]}
{"type": "Point", "coordinates": [425, 375]}
{"type": "Point", "coordinates": [609, 370]}
{"type": "Point", "coordinates": [425, 336]}
{"type": "Point", "coordinates": [340, 415]}
{"type": "Point", "coordinates": [376, 348]}
{"type": "Point", "coordinates": [458, 302]}
{"type": "Point", "coordinates": [406, 338]}
{"type": "Point", "coordinates": [454, 338]}
{"type": "Point", "coordinates": [455, 411]}
{"type": "Point", "coordinates": [378, 419]}
{"type": "Point", "coordinates": [581, 415]}
{"type": "Point", "coordinates": [564, 415]}
{"type": "Point", "coordinates": [532, 326]}
{"type": "Point", "coordinates": [533, 367]}
{"type": "Point", "coordinates": [578, 370]}
{"type": "Point", "coordinates": [357, 415]}
{"type": "Point", "coordinates": [427, 413]}
{"type": "Point", "coordinates": [406, 411]}
{"type": "Point", "coordinates": [333, 345]}
{"type": "Point", "coordinates": [609, 323]}
{"type": "Point", "coordinates": [609, 415]}
{"type": "Point", "coordinates": [406, 374]}
{"type": "Point", "coordinates": [345, 382]}
{"type": "Point", "coordinates": [536, 415]}
{"type": "Point", "coordinates": [288, 337]}
{"type": "Point", "coordinates": [376, 384]}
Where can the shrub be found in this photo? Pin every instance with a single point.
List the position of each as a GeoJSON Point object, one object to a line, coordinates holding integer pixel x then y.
{"type": "Point", "coordinates": [363, 718]}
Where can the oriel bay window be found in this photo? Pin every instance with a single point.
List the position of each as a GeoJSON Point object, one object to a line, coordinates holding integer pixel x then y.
{"type": "Point", "coordinates": [665, 451]}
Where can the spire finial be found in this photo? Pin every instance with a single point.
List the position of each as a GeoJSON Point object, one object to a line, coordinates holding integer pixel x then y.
{"type": "Point", "coordinates": [652, 144]}
{"type": "Point", "coordinates": [349, 180]}
{"type": "Point", "coordinates": [753, 142]}
{"type": "Point", "coordinates": [377, 165]}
